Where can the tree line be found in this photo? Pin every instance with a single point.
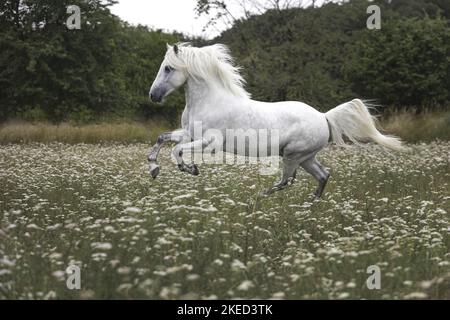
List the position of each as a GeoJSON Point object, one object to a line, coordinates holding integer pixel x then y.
{"type": "Point", "coordinates": [104, 69]}
{"type": "Point", "coordinates": [326, 55]}
{"type": "Point", "coordinates": [320, 55]}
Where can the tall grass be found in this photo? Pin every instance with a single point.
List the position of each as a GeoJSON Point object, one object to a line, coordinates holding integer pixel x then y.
{"type": "Point", "coordinates": [22, 132]}
{"type": "Point", "coordinates": [427, 126]}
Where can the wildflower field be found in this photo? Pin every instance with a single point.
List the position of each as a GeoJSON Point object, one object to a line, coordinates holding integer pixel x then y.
{"type": "Point", "coordinates": [212, 236]}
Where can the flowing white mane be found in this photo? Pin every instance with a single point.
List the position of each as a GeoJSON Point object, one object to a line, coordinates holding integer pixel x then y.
{"type": "Point", "coordinates": [211, 63]}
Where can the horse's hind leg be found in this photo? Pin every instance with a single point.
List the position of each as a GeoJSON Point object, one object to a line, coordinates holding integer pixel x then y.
{"type": "Point", "coordinates": [289, 171]}
{"type": "Point", "coordinates": [313, 167]}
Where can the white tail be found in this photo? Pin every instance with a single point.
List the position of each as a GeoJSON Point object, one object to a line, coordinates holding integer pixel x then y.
{"type": "Point", "coordinates": [353, 120]}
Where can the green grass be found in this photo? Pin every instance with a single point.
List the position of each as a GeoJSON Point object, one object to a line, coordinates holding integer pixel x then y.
{"type": "Point", "coordinates": [212, 236]}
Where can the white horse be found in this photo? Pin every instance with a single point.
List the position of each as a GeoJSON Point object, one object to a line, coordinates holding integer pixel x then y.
{"type": "Point", "coordinates": [215, 96]}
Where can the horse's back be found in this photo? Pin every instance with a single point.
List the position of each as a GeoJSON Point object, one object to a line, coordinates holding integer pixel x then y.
{"type": "Point", "coordinates": [295, 106]}
{"type": "Point", "coordinates": [298, 122]}
{"type": "Point", "coordinates": [294, 112]}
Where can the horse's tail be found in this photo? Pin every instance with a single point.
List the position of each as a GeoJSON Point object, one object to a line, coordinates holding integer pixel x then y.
{"type": "Point", "coordinates": [354, 121]}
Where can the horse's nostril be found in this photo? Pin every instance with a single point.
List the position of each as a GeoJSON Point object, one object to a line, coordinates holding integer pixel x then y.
{"type": "Point", "coordinates": [151, 96]}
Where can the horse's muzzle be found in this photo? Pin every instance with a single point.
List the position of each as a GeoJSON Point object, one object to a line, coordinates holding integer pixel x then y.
{"type": "Point", "coordinates": [157, 94]}
{"type": "Point", "coordinates": [155, 97]}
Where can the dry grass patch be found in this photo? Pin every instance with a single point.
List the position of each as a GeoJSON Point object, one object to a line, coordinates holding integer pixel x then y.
{"type": "Point", "coordinates": [21, 132]}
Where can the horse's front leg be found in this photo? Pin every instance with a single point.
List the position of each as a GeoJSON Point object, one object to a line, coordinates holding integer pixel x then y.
{"type": "Point", "coordinates": [194, 146]}
{"type": "Point", "coordinates": [175, 136]}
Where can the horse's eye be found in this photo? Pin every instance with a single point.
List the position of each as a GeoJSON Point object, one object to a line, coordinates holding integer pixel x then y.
{"type": "Point", "coordinates": [167, 69]}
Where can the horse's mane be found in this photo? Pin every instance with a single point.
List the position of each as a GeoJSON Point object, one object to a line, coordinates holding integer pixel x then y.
{"type": "Point", "coordinates": [210, 63]}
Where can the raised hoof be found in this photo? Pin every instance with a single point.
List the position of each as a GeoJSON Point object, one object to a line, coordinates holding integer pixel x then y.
{"type": "Point", "coordinates": [194, 170]}
{"type": "Point", "coordinates": [154, 170]}
{"type": "Point", "coordinates": [189, 168]}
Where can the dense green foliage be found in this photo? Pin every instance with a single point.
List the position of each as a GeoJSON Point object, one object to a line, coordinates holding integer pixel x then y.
{"type": "Point", "coordinates": [327, 55]}
{"type": "Point", "coordinates": [322, 56]}
{"type": "Point", "coordinates": [49, 71]}
{"type": "Point", "coordinates": [406, 64]}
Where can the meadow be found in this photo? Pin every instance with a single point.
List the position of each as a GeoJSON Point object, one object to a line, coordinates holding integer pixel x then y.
{"type": "Point", "coordinates": [213, 236]}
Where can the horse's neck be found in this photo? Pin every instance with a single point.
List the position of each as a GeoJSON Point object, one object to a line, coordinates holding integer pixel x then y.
{"type": "Point", "coordinates": [200, 95]}
{"type": "Point", "coordinates": [197, 93]}
{"type": "Point", "coordinates": [211, 103]}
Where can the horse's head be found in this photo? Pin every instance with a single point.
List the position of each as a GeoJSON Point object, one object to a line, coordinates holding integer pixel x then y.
{"type": "Point", "coordinates": [171, 75]}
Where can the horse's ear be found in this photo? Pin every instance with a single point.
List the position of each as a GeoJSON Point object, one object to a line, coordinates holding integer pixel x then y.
{"type": "Point", "coordinates": [167, 46]}
{"type": "Point", "coordinates": [175, 48]}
